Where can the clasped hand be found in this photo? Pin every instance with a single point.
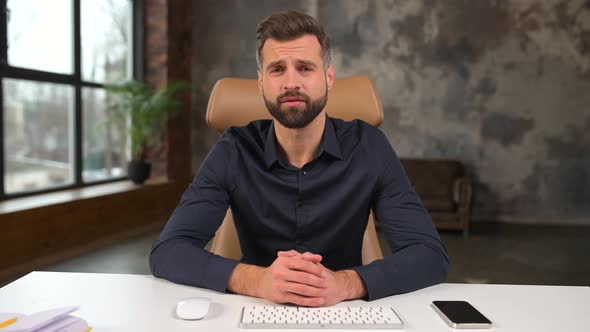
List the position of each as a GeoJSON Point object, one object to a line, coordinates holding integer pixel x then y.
{"type": "Point", "coordinates": [301, 279]}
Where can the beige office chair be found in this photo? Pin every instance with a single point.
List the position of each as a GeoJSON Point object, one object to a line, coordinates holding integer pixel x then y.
{"type": "Point", "coordinates": [237, 102]}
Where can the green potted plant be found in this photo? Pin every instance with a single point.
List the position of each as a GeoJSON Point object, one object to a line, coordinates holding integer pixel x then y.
{"type": "Point", "coordinates": [146, 112]}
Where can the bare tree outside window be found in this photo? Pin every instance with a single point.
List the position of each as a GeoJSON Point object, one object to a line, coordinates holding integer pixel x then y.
{"type": "Point", "coordinates": [47, 101]}
{"type": "Point", "coordinates": [106, 42]}
{"type": "Point", "coordinates": [106, 58]}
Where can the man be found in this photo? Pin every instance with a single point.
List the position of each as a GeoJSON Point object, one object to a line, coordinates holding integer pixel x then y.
{"type": "Point", "coordinates": [300, 188]}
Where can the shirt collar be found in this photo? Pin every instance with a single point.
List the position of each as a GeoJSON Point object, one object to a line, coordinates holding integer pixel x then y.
{"type": "Point", "coordinates": [271, 154]}
{"type": "Point", "coordinates": [329, 143]}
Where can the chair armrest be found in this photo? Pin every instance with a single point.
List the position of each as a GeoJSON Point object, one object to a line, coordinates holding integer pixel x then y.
{"type": "Point", "coordinates": [462, 190]}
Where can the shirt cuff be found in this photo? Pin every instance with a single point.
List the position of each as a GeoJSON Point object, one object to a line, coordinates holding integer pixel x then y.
{"type": "Point", "coordinates": [217, 274]}
{"type": "Point", "coordinates": [372, 276]}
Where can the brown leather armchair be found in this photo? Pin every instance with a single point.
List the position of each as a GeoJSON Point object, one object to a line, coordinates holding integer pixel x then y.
{"type": "Point", "coordinates": [445, 189]}
{"type": "Point", "coordinates": [236, 102]}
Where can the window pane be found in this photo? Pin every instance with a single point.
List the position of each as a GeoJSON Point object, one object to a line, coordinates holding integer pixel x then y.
{"type": "Point", "coordinates": [38, 131]}
{"type": "Point", "coordinates": [105, 143]}
{"type": "Point", "coordinates": [40, 35]}
{"type": "Point", "coordinates": [106, 40]}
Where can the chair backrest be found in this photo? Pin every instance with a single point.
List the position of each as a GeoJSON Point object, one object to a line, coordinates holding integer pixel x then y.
{"type": "Point", "coordinates": [237, 102]}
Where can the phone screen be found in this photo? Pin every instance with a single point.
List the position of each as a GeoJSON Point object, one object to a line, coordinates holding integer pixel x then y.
{"type": "Point", "coordinates": [461, 312]}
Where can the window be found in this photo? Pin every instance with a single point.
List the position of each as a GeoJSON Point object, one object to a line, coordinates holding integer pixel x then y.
{"type": "Point", "coordinates": [56, 57]}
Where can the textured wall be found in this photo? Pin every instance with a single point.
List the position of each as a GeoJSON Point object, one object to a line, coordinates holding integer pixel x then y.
{"type": "Point", "coordinates": [224, 38]}
{"type": "Point", "coordinates": [504, 86]}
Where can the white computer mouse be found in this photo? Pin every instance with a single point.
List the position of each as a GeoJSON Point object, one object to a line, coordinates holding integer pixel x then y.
{"type": "Point", "coordinates": [193, 308]}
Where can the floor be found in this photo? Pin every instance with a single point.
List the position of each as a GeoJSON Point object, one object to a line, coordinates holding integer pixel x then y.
{"type": "Point", "coordinates": [493, 253]}
{"type": "Point", "coordinates": [521, 254]}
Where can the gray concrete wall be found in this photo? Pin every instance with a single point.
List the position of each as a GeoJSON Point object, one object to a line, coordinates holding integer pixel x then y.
{"type": "Point", "coordinates": [502, 85]}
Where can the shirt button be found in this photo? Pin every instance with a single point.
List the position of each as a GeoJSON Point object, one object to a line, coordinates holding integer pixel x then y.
{"type": "Point", "coordinates": [304, 173]}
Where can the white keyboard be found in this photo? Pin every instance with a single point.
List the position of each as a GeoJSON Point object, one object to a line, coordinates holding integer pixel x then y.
{"type": "Point", "coordinates": [290, 317]}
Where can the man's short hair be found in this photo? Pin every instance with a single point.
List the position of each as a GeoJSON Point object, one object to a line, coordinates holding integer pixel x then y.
{"type": "Point", "coordinates": [289, 25]}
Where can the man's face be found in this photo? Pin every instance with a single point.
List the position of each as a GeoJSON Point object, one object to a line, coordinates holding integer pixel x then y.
{"type": "Point", "coordinates": [293, 81]}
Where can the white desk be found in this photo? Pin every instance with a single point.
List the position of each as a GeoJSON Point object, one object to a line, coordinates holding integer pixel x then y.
{"type": "Point", "coordinates": [111, 302]}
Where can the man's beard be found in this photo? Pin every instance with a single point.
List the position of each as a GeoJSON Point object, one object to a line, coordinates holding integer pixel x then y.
{"type": "Point", "coordinates": [294, 117]}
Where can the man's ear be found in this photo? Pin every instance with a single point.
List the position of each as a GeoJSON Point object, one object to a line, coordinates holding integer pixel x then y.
{"type": "Point", "coordinates": [330, 76]}
{"type": "Point", "coordinates": [259, 81]}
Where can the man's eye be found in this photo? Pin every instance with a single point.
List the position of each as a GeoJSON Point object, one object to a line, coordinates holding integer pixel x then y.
{"type": "Point", "coordinates": [307, 69]}
{"type": "Point", "coordinates": [276, 70]}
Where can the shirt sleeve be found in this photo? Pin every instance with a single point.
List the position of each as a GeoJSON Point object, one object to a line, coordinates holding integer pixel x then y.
{"type": "Point", "coordinates": [178, 254]}
{"type": "Point", "coordinates": [418, 257]}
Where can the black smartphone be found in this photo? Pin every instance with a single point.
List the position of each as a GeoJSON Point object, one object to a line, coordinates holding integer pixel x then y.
{"type": "Point", "coordinates": [461, 315]}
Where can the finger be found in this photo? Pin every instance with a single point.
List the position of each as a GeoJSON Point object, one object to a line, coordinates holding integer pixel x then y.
{"type": "Point", "coordinates": [290, 253]}
{"type": "Point", "coordinates": [302, 300]}
{"type": "Point", "coordinates": [306, 279]}
{"type": "Point", "coordinates": [314, 258]}
{"type": "Point", "coordinates": [307, 266]}
{"type": "Point", "coordinates": [292, 269]}
{"type": "Point", "coordinates": [303, 290]}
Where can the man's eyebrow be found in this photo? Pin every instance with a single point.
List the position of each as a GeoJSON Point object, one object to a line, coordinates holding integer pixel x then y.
{"type": "Point", "coordinates": [275, 63]}
{"type": "Point", "coordinates": [307, 63]}
{"type": "Point", "coordinates": [299, 62]}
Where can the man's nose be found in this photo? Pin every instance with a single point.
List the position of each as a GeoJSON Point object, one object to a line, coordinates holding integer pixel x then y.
{"type": "Point", "coordinates": [292, 80]}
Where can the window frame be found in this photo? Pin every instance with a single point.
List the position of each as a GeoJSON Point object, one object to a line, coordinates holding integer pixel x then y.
{"type": "Point", "coordinates": [73, 80]}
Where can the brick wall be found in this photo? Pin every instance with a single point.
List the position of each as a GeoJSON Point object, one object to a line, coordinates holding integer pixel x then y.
{"type": "Point", "coordinates": [167, 52]}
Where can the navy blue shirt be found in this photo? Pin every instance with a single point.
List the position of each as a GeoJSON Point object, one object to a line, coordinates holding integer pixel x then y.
{"type": "Point", "coordinates": [322, 208]}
